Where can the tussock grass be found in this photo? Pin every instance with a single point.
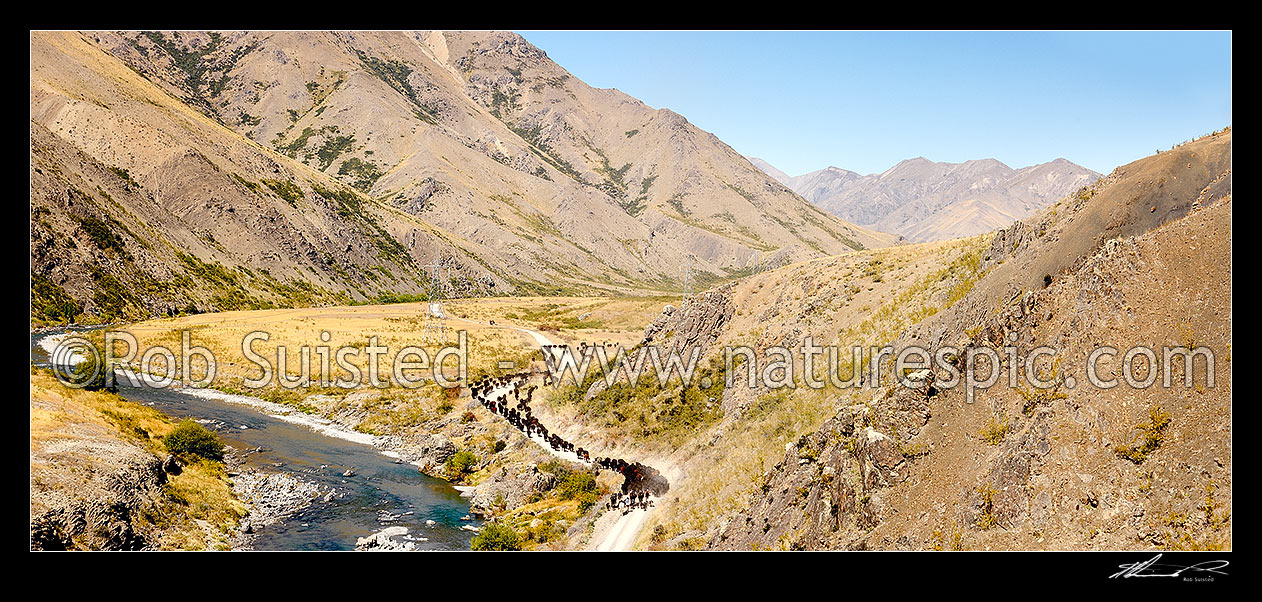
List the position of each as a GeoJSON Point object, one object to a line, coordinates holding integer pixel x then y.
{"type": "Point", "coordinates": [1151, 436]}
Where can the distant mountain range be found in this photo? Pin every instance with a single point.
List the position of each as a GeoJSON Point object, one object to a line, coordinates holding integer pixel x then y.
{"type": "Point", "coordinates": [922, 200]}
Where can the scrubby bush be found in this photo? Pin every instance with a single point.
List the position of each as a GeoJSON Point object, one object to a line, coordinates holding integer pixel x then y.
{"type": "Point", "coordinates": [101, 233]}
{"type": "Point", "coordinates": [285, 190]}
{"type": "Point", "coordinates": [190, 440]}
{"type": "Point", "coordinates": [1152, 435]}
{"type": "Point", "coordinates": [90, 373]}
{"type": "Point", "coordinates": [496, 537]}
{"type": "Point", "coordinates": [460, 464]}
{"type": "Point", "coordinates": [579, 486]}
{"type": "Point", "coordinates": [995, 430]}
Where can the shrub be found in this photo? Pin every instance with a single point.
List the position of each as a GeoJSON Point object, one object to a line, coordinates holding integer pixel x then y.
{"type": "Point", "coordinates": [543, 531]}
{"type": "Point", "coordinates": [191, 440]}
{"type": "Point", "coordinates": [995, 430]}
{"type": "Point", "coordinates": [365, 173]}
{"type": "Point", "coordinates": [460, 464]}
{"type": "Point", "coordinates": [580, 486]}
{"type": "Point", "coordinates": [659, 534]}
{"type": "Point", "coordinates": [987, 519]}
{"type": "Point", "coordinates": [91, 375]}
{"type": "Point", "coordinates": [496, 537]}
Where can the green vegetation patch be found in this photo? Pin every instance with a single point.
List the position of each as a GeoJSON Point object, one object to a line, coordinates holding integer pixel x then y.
{"type": "Point", "coordinates": [285, 190]}
{"type": "Point", "coordinates": [397, 74]}
{"type": "Point", "coordinates": [191, 61]}
{"type": "Point", "coordinates": [125, 176]}
{"type": "Point", "coordinates": [1151, 436]}
{"type": "Point", "coordinates": [50, 303]}
{"type": "Point", "coordinates": [581, 486]}
{"type": "Point", "coordinates": [676, 201]}
{"type": "Point", "coordinates": [533, 135]}
{"type": "Point", "coordinates": [669, 413]}
{"type": "Point", "coordinates": [496, 537]}
{"type": "Point", "coordinates": [460, 464]}
{"type": "Point", "coordinates": [112, 299]}
{"type": "Point", "coordinates": [191, 440]}
{"type": "Point", "coordinates": [364, 173]}
{"type": "Point", "coordinates": [333, 146]}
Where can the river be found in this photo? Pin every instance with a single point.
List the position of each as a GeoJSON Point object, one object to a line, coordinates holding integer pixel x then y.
{"type": "Point", "coordinates": [382, 493]}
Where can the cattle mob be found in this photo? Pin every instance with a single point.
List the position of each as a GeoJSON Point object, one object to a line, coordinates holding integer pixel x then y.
{"type": "Point", "coordinates": [506, 397]}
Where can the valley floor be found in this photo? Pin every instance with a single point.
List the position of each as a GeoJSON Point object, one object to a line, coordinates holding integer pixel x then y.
{"type": "Point", "coordinates": [512, 478]}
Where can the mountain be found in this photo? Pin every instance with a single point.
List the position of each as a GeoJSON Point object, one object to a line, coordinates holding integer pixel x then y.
{"type": "Point", "coordinates": [771, 170]}
{"type": "Point", "coordinates": [922, 200]}
{"type": "Point", "coordinates": [201, 171]}
{"type": "Point", "coordinates": [1141, 258]}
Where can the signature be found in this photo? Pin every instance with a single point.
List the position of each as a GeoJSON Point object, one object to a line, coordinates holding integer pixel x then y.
{"type": "Point", "coordinates": [1151, 568]}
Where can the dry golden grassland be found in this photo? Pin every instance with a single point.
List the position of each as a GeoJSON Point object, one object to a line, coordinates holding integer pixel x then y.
{"type": "Point", "coordinates": [569, 320]}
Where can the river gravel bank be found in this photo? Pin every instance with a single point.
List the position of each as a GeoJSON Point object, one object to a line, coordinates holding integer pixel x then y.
{"type": "Point", "coordinates": [272, 497]}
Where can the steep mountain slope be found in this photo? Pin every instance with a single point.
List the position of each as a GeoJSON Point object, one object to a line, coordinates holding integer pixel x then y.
{"type": "Point", "coordinates": [323, 167]}
{"type": "Point", "coordinates": [1143, 257]}
{"type": "Point", "coordinates": [922, 200]}
{"type": "Point", "coordinates": [142, 206]}
{"type": "Point", "coordinates": [714, 442]}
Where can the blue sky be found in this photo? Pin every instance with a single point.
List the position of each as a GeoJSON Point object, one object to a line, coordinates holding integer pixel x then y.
{"type": "Point", "coordinates": [865, 100]}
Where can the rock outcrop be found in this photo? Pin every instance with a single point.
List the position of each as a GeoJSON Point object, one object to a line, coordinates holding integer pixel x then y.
{"type": "Point", "coordinates": [104, 512]}
{"type": "Point", "coordinates": [388, 539]}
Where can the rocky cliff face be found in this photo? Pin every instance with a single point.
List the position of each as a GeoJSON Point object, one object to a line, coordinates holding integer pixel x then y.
{"type": "Point", "coordinates": [696, 323]}
{"type": "Point", "coordinates": [826, 491]}
{"type": "Point", "coordinates": [104, 513]}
